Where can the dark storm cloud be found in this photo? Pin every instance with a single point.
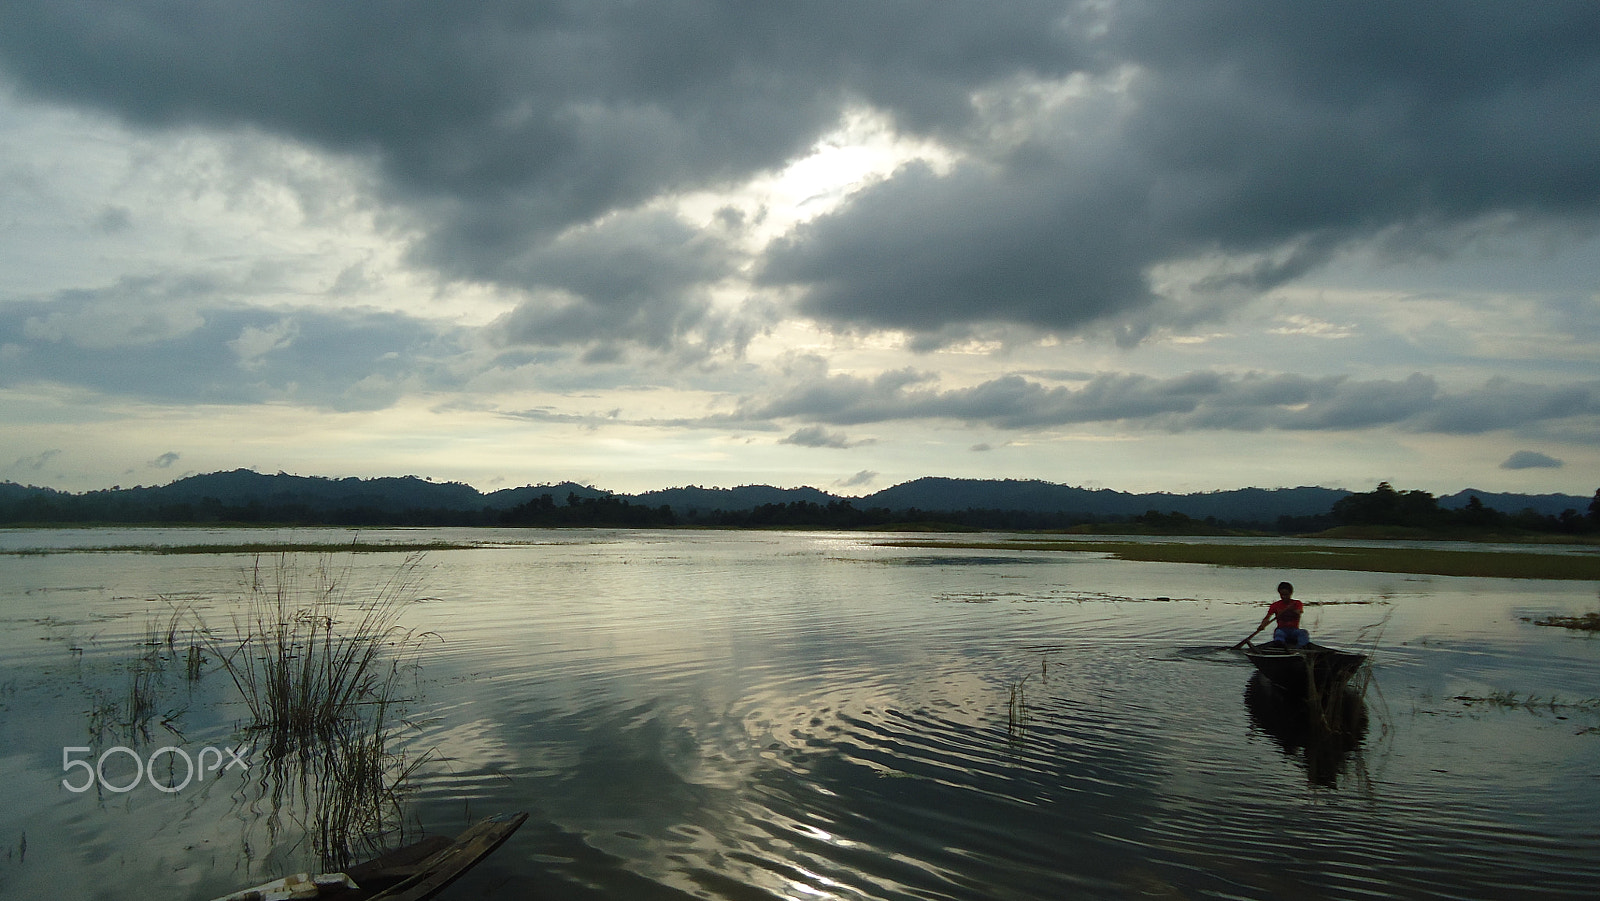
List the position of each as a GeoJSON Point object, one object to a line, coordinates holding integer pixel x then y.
{"type": "Point", "coordinates": [1199, 400]}
{"type": "Point", "coordinates": [1272, 134]}
{"type": "Point", "coordinates": [147, 339]}
{"type": "Point", "coordinates": [923, 251]}
{"type": "Point", "coordinates": [500, 124]}
{"type": "Point", "coordinates": [1266, 133]}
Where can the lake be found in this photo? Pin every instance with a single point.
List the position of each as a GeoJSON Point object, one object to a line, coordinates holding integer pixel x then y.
{"type": "Point", "coordinates": [755, 715]}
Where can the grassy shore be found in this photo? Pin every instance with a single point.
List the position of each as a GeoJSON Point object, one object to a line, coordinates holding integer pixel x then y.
{"type": "Point", "coordinates": [1477, 562]}
{"type": "Point", "coordinates": [262, 547]}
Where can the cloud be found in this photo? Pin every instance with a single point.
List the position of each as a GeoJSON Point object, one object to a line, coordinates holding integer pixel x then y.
{"type": "Point", "coordinates": [177, 341]}
{"type": "Point", "coordinates": [164, 461]}
{"type": "Point", "coordinates": [113, 220]}
{"type": "Point", "coordinates": [36, 462]}
{"type": "Point", "coordinates": [1196, 400]}
{"type": "Point", "coordinates": [817, 436]}
{"type": "Point", "coordinates": [1527, 459]}
{"type": "Point", "coordinates": [499, 128]}
{"type": "Point", "coordinates": [636, 277]}
{"type": "Point", "coordinates": [1231, 144]}
{"type": "Point", "coordinates": [255, 343]}
{"type": "Point", "coordinates": [1237, 144]}
{"type": "Point", "coordinates": [861, 479]}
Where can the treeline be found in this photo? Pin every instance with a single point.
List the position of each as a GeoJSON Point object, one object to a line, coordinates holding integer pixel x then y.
{"type": "Point", "coordinates": [584, 511]}
{"type": "Point", "coordinates": [112, 507]}
{"type": "Point", "coordinates": [845, 515]}
{"type": "Point", "coordinates": [1385, 506]}
{"type": "Point", "coordinates": [1382, 507]}
{"type": "Point", "coordinates": [106, 507]}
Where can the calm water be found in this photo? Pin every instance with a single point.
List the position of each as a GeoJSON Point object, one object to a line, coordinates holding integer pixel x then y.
{"type": "Point", "coordinates": [803, 716]}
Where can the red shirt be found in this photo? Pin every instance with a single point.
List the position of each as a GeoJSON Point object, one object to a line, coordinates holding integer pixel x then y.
{"type": "Point", "coordinates": [1287, 612]}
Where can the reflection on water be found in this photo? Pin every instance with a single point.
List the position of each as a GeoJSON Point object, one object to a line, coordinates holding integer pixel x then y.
{"type": "Point", "coordinates": [765, 716]}
{"type": "Point", "coordinates": [1321, 736]}
{"type": "Point", "coordinates": [342, 795]}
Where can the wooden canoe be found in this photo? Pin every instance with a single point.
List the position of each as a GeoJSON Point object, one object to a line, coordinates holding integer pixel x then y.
{"type": "Point", "coordinates": [412, 873]}
{"type": "Point", "coordinates": [1294, 669]}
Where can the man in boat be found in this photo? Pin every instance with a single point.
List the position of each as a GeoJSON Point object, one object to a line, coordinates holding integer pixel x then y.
{"type": "Point", "coordinates": [1286, 610]}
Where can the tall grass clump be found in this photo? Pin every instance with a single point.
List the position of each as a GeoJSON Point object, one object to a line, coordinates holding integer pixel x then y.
{"type": "Point", "coordinates": [308, 656]}
{"type": "Point", "coordinates": [323, 668]}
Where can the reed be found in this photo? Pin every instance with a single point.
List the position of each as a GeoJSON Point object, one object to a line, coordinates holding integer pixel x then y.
{"type": "Point", "coordinates": [307, 655]}
{"type": "Point", "coordinates": [193, 660]}
{"type": "Point", "coordinates": [1016, 709]}
{"type": "Point", "coordinates": [344, 794]}
{"type": "Point", "coordinates": [1340, 706]}
{"type": "Point", "coordinates": [321, 667]}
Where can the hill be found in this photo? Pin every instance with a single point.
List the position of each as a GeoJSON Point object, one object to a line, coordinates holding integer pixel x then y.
{"type": "Point", "coordinates": [1543, 504]}
{"type": "Point", "coordinates": [245, 496]}
{"type": "Point", "coordinates": [1033, 496]}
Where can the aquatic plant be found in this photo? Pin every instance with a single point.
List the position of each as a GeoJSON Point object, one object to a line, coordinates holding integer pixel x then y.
{"type": "Point", "coordinates": [1338, 706]}
{"type": "Point", "coordinates": [1016, 709]}
{"type": "Point", "coordinates": [193, 661]}
{"type": "Point", "coordinates": [344, 793]}
{"type": "Point", "coordinates": [1588, 622]}
{"type": "Point", "coordinates": [321, 667]}
{"type": "Point", "coordinates": [306, 656]}
{"type": "Point", "coordinates": [129, 713]}
{"type": "Point", "coordinates": [1531, 703]}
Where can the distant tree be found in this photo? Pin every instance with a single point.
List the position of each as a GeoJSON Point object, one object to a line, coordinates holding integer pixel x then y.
{"type": "Point", "coordinates": [1532, 520]}
{"type": "Point", "coordinates": [1476, 515]}
{"type": "Point", "coordinates": [1172, 522]}
{"type": "Point", "coordinates": [1594, 510]}
{"type": "Point", "coordinates": [587, 511]}
{"type": "Point", "coordinates": [1384, 506]}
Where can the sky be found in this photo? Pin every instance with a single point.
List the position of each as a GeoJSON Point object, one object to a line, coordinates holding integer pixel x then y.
{"type": "Point", "coordinates": [1147, 246]}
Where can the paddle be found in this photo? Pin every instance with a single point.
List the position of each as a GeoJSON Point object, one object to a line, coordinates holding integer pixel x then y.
{"type": "Point", "coordinates": [1244, 641]}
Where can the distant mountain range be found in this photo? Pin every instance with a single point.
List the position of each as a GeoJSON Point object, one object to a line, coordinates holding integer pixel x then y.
{"type": "Point", "coordinates": [410, 498]}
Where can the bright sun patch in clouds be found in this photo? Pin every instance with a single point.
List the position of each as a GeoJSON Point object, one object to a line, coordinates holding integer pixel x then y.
{"type": "Point", "coordinates": [863, 148]}
{"type": "Point", "coordinates": [1141, 247]}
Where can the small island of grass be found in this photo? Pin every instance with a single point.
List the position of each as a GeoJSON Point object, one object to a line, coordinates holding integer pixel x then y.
{"type": "Point", "coordinates": [1589, 622]}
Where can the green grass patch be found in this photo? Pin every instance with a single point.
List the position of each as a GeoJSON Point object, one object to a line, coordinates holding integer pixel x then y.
{"type": "Point", "coordinates": [257, 548]}
{"type": "Point", "coordinates": [1480, 563]}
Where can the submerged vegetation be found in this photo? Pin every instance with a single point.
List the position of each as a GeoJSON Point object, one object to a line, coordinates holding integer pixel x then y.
{"type": "Point", "coordinates": [1531, 703]}
{"type": "Point", "coordinates": [306, 657]}
{"type": "Point", "coordinates": [325, 671]}
{"type": "Point", "coordinates": [322, 670]}
{"type": "Point", "coordinates": [1588, 622]}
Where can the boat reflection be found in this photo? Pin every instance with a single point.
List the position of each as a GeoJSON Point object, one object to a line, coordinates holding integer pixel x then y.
{"type": "Point", "coordinates": [1323, 734]}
